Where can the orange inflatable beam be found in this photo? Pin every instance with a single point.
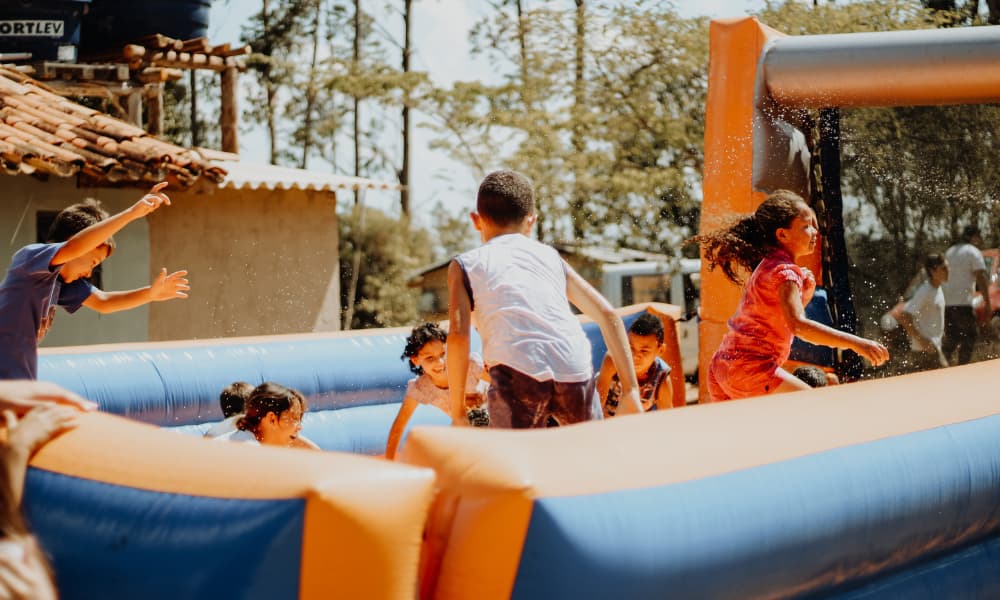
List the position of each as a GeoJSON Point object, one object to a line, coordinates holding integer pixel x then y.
{"type": "Point", "coordinates": [364, 517]}
{"type": "Point", "coordinates": [489, 481]}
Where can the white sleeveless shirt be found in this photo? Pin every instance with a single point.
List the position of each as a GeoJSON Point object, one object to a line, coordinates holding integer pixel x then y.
{"type": "Point", "coordinates": [519, 306]}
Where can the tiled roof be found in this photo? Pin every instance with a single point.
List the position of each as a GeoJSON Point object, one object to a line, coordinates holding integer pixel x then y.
{"type": "Point", "coordinates": [44, 133]}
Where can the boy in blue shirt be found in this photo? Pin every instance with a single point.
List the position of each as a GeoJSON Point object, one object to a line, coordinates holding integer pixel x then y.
{"type": "Point", "coordinates": [42, 276]}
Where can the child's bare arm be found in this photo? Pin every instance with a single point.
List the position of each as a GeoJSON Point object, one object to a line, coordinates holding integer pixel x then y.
{"type": "Point", "coordinates": [906, 322]}
{"type": "Point", "coordinates": [164, 287]}
{"type": "Point", "coordinates": [595, 306]}
{"type": "Point", "coordinates": [98, 233]}
{"type": "Point", "coordinates": [399, 426]}
{"type": "Point", "coordinates": [459, 330]}
{"type": "Point", "coordinates": [603, 383]}
{"type": "Point", "coordinates": [817, 333]}
{"type": "Point", "coordinates": [665, 394]}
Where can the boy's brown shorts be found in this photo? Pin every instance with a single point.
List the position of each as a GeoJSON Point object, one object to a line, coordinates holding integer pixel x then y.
{"type": "Point", "coordinates": [519, 401]}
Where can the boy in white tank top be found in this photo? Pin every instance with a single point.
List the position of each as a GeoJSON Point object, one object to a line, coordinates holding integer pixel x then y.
{"type": "Point", "coordinates": [516, 291]}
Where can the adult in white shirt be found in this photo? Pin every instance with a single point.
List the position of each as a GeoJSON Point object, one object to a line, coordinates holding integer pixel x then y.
{"type": "Point", "coordinates": [923, 317]}
{"type": "Point", "coordinates": [967, 270]}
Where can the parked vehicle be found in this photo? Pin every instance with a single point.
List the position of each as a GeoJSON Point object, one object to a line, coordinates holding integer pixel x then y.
{"type": "Point", "coordinates": [674, 282]}
{"type": "Point", "coordinates": [889, 322]}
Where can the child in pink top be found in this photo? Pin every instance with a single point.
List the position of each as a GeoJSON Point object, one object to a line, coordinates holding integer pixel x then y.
{"type": "Point", "coordinates": [771, 312]}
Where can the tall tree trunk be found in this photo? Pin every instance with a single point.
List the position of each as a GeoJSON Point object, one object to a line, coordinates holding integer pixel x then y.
{"type": "Point", "coordinates": [307, 121]}
{"type": "Point", "coordinates": [404, 171]}
{"type": "Point", "coordinates": [195, 129]}
{"type": "Point", "coordinates": [528, 95]}
{"type": "Point", "coordinates": [577, 211]}
{"type": "Point", "coordinates": [359, 194]}
{"type": "Point", "coordinates": [357, 100]}
{"type": "Point", "coordinates": [270, 90]}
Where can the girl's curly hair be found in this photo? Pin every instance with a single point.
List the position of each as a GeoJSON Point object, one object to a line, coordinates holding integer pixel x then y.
{"type": "Point", "coordinates": [417, 339]}
{"type": "Point", "coordinates": [748, 240]}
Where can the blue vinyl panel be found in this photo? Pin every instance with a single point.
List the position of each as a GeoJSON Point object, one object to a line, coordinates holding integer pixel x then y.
{"type": "Point", "coordinates": [971, 573]}
{"type": "Point", "coordinates": [800, 526]}
{"type": "Point", "coordinates": [114, 542]}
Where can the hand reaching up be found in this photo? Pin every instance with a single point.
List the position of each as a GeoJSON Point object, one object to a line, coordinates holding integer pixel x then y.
{"type": "Point", "coordinates": [168, 287]}
{"type": "Point", "coordinates": [151, 201]}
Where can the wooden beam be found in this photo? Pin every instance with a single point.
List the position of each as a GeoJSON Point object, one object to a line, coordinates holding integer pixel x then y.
{"type": "Point", "coordinates": [227, 52]}
{"type": "Point", "coordinates": [132, 51]}
{"type": "Point", "coordinates": [154, 108]}
{"type": "Point", "coordinates": [158, 75]}
{"type": "Point", "coordinates": [196, 45]}
{"type": "Point", "coordinates": [82, 72]}
{"type": "Point", "coordinates": [230, 110]}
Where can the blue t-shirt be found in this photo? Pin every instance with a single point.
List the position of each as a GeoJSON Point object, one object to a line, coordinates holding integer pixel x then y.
{"type": "Point", "coordinates": [28, 298]}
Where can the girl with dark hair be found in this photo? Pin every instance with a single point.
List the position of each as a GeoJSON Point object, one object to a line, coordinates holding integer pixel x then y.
{"type": "Point", "coordinates": [771, 312]}
{"type": "Point", "coordinates": [273, 417]}
{"type": "Point", "coordinates": [425, 354]}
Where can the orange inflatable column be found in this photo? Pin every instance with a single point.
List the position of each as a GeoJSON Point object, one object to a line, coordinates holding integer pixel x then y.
{"type": "Point", "coordinates": [734, 48]}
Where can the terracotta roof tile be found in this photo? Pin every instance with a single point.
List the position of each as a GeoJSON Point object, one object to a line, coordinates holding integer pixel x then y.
{"type": "Point", "coordinates": [42, 132]}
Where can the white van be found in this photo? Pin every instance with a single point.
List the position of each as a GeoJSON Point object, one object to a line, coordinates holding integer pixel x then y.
{"type": "Point", "coordinates": [675, 281]}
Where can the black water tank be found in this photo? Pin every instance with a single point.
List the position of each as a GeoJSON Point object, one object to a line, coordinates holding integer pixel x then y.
{"type": "Point", "coordinates": [48, 29]}
{"type": "Point", "coordinates": [110, 24]}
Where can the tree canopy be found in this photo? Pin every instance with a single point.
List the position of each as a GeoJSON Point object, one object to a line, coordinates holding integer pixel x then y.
{"type": "Point", "coordinates": [602, 105]}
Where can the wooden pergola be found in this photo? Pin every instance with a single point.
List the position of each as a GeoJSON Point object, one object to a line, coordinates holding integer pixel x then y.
{"type": "Point", "coordinates": [132, 78]}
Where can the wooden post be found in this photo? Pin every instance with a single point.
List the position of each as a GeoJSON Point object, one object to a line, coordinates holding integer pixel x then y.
{"type": "Point", "coordinates": [195, 130]}
{"type": "Point", "coordinates": [154, 108]}
{"type": "Point", "coordinates": [134, 100]}
{"type": "Point", "coordinates": [230, 110]}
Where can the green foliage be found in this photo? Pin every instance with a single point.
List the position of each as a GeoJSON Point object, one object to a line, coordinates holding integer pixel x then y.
{"type": "Point", "coordinates": [390, 250]}
{"type": "Point", "coordinates": [455, 233]}
{"type": "Point", "coordinates": [608, 154]}
{"type": "Point", "coordinates": [177, 126]}
{"type": "Point", "coordinates": [916, 175]}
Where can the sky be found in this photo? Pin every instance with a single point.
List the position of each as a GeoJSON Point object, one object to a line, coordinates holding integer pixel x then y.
{"type": "Point", "coordinates": [440, 40]}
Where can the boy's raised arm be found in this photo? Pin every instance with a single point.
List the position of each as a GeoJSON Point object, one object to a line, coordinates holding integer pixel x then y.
{"type": "Point", "coordinates": [594, 305]}
{"type": "Point", "coordinates": [459, 330]}
{"type": "Point", "coordinates": [164, 287]}
{"type": "Point", "coordinates": [95, 235]}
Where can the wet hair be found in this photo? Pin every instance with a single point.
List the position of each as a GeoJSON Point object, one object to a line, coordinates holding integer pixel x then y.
{"type": "Point", "coordinates": [266, 398]}
{"type": "Point", "coordinates": [505, 198]}
{"type": "Point", "coordinates": [647, 324]}
{"type": "Point", "coordinates": [748, 240]}
{"type": "Point", "coordinates": [233, 398]}
{"type": "Point", "coordinates": [812, 376]}
{"type": "Point", "coordinates": [932, 262]}
{"type": "Point", "coordinates": [75, 218]}
{"type": "Point", "coordinates": [417, 339]}
{"type": "Point", "coordinates": [969, 232]}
